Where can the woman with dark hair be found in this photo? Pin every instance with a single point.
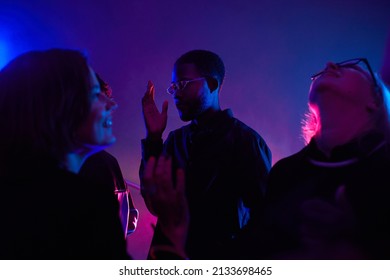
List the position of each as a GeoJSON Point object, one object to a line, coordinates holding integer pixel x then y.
{"type": "Point", "coordinates": [104, 168]}
{"type": "Point", "coordinates": [330, 200]}
{"type": "Point", "coordinates": [53, 116]}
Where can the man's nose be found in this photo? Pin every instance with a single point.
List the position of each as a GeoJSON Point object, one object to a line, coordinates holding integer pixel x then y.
{"type": "Point", "coordinates": [177, 94]}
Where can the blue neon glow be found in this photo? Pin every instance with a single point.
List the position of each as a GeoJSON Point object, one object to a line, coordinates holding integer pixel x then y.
{"type": "Point", "coordinates": [4, 54]}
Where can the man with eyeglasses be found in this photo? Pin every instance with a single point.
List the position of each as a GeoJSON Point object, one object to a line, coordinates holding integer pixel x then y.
{"type": "Point", "coordinates": [225, 161]}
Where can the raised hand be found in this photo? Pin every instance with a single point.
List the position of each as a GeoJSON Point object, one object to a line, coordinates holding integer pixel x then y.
{"type": "Point", "coordinates": [155, 121]}
{"type": "Point", "coordinates": [327, 229]}
{"type": "Point", "coordinates": [166, 201]}
{"type": "Point", "coordinates": [323, 220]}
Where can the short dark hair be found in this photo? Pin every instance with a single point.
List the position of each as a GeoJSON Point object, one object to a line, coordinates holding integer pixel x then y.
{"type": "Point", "coordinates": [206, 62]}
{"type": "Point", "coordinates": [44, 98]}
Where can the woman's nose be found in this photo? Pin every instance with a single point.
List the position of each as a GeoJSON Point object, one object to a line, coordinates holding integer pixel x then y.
{"type": "Point", "coordinates": [111, 104]}
{"type": "Point", "coordinates": [331, 65]}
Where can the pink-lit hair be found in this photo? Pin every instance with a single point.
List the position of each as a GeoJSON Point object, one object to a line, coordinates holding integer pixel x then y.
{"type": "Point", "coordinates": [311, 122]}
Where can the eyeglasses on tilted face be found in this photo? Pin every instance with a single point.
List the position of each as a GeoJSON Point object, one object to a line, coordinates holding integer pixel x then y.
{"type": "Point", "coordinates": [349, 63]}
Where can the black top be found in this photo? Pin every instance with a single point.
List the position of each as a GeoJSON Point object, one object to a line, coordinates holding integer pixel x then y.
{"type": "Point", "coordinates": [51, 213]}
{"type": "Point", "coordinates": [362, 167]}
{"type": "Point", "coordinates": [103, 168]}
{"type": "Point", "coordinates": [226, 164]}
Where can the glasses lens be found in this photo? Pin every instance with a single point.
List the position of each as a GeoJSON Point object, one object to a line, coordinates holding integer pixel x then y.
{"type": "Point", "coordinates": [170, 89]}
{"type": "Point", "coordinates": [365, 65]}
{"type": "Point", "coordinates": [346, 63]}
{"type": "Point", "coordinates": [350, 62]}
{"type": "Point", "coordinates": [181, 85]}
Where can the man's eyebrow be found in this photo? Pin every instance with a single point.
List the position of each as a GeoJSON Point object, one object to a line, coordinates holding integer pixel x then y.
{"type": "Point", "coordinates": [183, 79]}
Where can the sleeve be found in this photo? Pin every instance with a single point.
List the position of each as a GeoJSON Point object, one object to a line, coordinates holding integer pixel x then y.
{"type": "Point", "coordinates": [152, 148]}
{"type": "Point", "coordinates": [155, 148]}
{"type": "Point", "coordinates": [149, 148]}
{"type": "Point", "coordinates": [253, 163]}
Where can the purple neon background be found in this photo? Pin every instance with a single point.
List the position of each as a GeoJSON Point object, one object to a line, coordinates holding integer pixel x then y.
{"type": "Point", "coordinates": [270, 48]}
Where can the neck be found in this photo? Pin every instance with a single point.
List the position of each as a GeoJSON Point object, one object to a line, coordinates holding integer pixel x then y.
{"type": "Point", "coordinates": [207, 114]}
{"type": "Point", "coordinates": [339, 131]}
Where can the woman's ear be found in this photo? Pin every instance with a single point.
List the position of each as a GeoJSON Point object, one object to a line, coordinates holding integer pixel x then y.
{"type": "Point", "coordinates": [212, 83]}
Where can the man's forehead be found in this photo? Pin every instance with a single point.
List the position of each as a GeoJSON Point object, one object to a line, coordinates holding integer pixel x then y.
{"type": "Point", "coordinates": [185, 69]}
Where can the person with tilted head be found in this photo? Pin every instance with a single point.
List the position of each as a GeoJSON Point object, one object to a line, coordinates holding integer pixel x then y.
{"type": "Point", "coordinates": [329, 200]}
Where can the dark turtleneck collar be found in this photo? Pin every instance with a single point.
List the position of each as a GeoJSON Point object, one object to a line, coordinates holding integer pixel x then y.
{"type": "Point", "coordinates": [348, 153]}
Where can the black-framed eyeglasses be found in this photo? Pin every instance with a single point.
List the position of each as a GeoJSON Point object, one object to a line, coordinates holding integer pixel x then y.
{"type": "Point", "coordinates": [180, 85]}
{"type": "Point", "coordinates": [349, 63]}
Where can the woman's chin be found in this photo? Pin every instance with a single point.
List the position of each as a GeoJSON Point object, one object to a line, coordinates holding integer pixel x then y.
{"type": "Point", "coordinates": [107, 140]}
{"type": "Point", "coordinates": [111, 140]}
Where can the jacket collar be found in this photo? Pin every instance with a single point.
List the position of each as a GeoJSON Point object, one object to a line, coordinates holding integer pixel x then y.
{"type": "Point", "coordinates": [213, 122]}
